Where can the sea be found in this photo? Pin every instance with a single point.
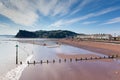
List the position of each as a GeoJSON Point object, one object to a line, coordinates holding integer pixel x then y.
{"type": "Point", "coordinates": [8, 68]}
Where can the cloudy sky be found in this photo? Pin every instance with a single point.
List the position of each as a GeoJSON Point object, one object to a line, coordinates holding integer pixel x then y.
{"type": "Point", "coordinates": [82, 16]}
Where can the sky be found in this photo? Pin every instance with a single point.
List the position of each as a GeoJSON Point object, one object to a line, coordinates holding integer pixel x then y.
{"type": "Point", "coordinates": [81, 16]}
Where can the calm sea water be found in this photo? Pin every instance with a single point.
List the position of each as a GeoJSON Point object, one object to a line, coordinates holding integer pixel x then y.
{"type": "Point", "coordinates": [8, 54]}
{"type": "Point", "coordinates": [27, 51]}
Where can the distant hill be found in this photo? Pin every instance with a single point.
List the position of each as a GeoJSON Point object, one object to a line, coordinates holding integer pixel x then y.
{"type": "Point", "coordinates": [45, 34]}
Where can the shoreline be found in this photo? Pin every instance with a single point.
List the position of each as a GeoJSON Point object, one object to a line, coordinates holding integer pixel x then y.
{"type": "Point", "coordinates": [98, 47]}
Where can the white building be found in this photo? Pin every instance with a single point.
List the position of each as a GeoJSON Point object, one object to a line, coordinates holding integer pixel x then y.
{"type": "Point", "coordinates": [95, 36]}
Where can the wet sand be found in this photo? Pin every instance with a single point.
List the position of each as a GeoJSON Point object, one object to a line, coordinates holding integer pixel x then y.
{"type": "Point", "coordinates": [78, 56]}
{"type": "Point", "coordinates": [104, 69]}
{"type": "Point", "coordinates": [84, 70]}
{"type": "Point", "coordinates": [99, 47]}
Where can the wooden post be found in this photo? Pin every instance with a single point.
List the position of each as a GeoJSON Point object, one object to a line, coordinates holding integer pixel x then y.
{"type": "Point", "coordinates": [28, 62]}
{"type": "Point", "coordinates": [53, 61]}
{"type": "Point", "coordinates": [95, 57]}
{"type": "Point", "coordinates": [41, 61]}
{"type": "Point", "coordinates": [81, 59]}
{"type": "Point", "coordinates": [47, 61]}
{"type": "Point", "coordinates": [21, 62]}
{"type": "Point", "coordinates": [91, 58]}
{"type": "Point", "coordinates": [59, 60]}
{"type": "Point", "coordinates": [76, 59]}
{"type": "Point", "coordinates": [33, 62]}
{"type": "Point", "coordinates": [109, 56]}
{"type": "Point", "coordinates": [85, 58]}
{"type": "Point", "coordinates": [16, 54]}
{"type": "Point", "coordinates": [104, 57]}
{"type": "Point", "coordinates": [64, 60]}
{"type": "Point", "coordinates": [117, 55]}
{"type": "Point", "coordinates": [70, 59]}
{"type": "Point", "coordinates": [113, 56]}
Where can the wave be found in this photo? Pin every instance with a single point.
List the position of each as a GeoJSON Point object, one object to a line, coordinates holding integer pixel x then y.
{"type": "Point", "coordinates": [15, 73]}
{"type": "Point", "coordinates": [53, 46]}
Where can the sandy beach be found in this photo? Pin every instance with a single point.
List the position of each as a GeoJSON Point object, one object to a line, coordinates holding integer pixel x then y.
{"type": "Point", "coordinates": [103, 69]}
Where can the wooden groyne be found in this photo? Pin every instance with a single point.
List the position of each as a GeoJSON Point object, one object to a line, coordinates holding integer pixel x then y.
{"type": "Point", "coordinates": [72, 60]}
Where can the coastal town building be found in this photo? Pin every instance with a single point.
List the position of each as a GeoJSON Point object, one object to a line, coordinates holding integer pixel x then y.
{"type": "Point", "coordinates": [116, 38]}
{"type": "Point", "coordinates": [95, 36]}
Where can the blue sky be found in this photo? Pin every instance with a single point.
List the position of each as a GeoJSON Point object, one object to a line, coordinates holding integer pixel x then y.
{"type": "Point", "coordinates": [82, 16]}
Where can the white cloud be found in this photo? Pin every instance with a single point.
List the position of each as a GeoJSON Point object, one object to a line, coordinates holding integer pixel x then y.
{"type": "Point", "coordinates": [45, 7]}
{"type": "Point", "coordinates": [63, 7]}
{"type": "Point", "coordinates": [81, 5]}
{"type": "Point", "coordinates": [89, 22]}
{"type": "Point", "coordinates": [63, 22]}
{"type": "Point", "coordinates": [71, 21]}
{"type": "Point", "coordinates": [112, 21]}
{"type": "Point", "coordinates": [24, 12]}
{"type": "Point", "coordinates": [18, 11]}
{"type": "Point", "coordinates": [3, 25]}
{"type": "Point", "coordinates": [7, 29]}
{"type": "Point", "coordinates": [53, 7]}
{"type": "Point", "coordinates": [58, 24]}
{"type": "Point", "coordinates": [107, 10]}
